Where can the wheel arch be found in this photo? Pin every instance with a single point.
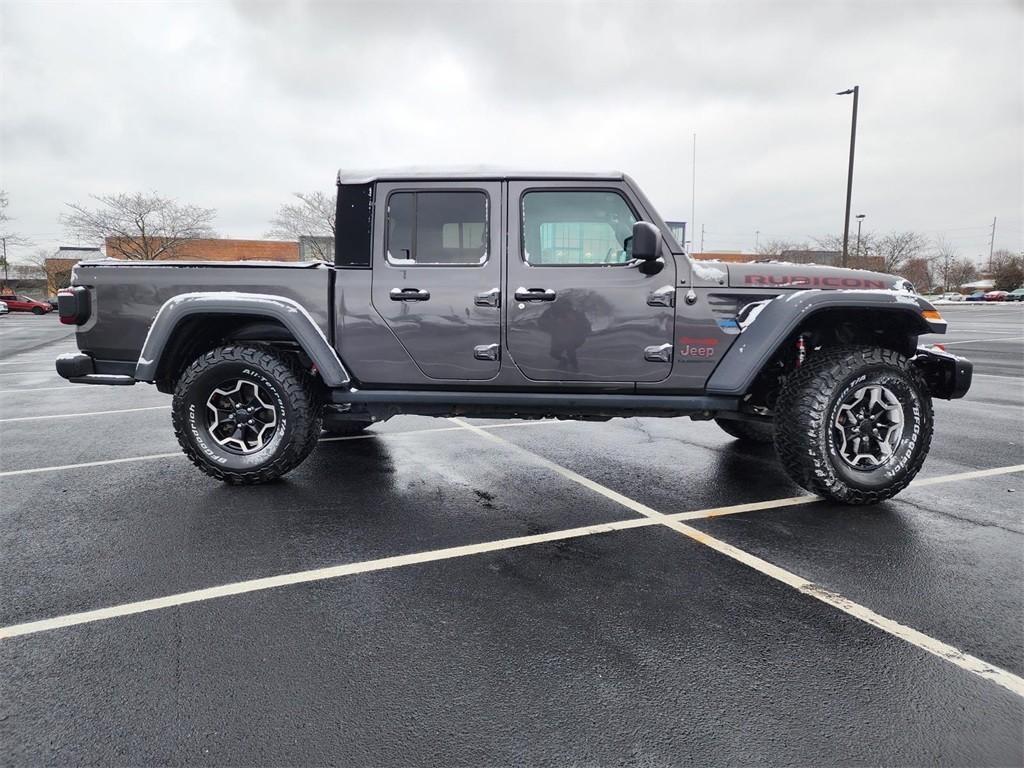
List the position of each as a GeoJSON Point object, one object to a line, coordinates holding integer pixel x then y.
{"type": "Point", "coordinates": [877, 318]}
{"type": "Point", "coordinates": [190, 324]}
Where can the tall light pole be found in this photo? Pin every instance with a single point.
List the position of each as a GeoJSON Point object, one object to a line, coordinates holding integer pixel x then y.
{"type": "Point", "coordinates": [849, 178]}
{"type": "Point", "coordinates": [860, 220]}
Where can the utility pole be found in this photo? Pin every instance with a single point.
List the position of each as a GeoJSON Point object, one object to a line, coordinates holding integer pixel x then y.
{"type": "Point", "coordinates": [991, 244]}
{"type": "Point", "coordinates": [702, 238]}
{"type": "Point", "coordinates": [757, 239]}
{"type": "Point", "coordinates": [3, 239]}
{"type": "Point", "coordinates": [849, 177]}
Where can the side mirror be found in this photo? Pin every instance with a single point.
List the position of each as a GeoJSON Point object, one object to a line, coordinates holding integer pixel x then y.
{"type": "Point", "coordinates": [646, 241]}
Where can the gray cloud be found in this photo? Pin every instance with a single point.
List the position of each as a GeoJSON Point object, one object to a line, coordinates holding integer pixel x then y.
{"type": "Point", "coordinates": [236, 106]}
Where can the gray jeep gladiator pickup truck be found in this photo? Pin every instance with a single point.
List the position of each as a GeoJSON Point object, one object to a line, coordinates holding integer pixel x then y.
{"type": "Point", "coordinates": [519, 295]}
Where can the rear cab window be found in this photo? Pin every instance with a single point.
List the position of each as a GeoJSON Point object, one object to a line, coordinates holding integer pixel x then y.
{"type": "Point", "coordinates": [437, 228]}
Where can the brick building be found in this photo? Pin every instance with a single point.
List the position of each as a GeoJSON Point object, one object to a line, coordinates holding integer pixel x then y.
{"type": "Point", "coordinates": [220, 249]}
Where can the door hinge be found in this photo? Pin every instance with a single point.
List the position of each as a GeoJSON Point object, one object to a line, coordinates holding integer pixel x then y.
{"type": "Point", "coordinates": [662, 353]}
{"type": "Point", "coordinates": [662, 297]}
{"type": "Point", "coordinates": [486, 352]}
{"type": "Point", "coordinates": [491, 298]}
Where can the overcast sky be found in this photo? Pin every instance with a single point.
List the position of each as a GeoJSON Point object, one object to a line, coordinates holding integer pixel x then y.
{"type": "Point", "coordinates": [235, 106]}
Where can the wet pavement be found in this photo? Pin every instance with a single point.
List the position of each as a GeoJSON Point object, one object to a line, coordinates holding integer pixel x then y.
{"type": "Point", "coordinates": [629, 643]}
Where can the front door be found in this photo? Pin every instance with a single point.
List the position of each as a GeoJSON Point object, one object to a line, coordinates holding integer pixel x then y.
{"type": "Point", "coordinates": [437, 275]}
{"type": "Point", "coordinates": [579, 308]}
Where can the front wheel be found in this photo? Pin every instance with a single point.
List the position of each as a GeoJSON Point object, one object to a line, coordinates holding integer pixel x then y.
{"type": "Point", "coordinates": [245, 414]}
{"type": "Point", "coordinates": [854, 424]}
{"type": "Point", "coordinates": [38, 311]}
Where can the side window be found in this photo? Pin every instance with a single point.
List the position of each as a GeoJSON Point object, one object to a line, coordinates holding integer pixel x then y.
{"type": "Point", "coordinates": [576, 228]}
{"type": "Point", "coordinates": [437, 228]}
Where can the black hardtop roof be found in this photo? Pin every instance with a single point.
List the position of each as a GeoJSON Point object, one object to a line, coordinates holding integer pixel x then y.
{"type": "Point", "coordinates": [471, 173]}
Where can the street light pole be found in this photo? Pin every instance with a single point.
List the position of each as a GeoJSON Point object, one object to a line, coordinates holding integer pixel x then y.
{"type": "Point", "coordinates": [849, 178]}
{"type": "Point", "coordinates": [860, 220]}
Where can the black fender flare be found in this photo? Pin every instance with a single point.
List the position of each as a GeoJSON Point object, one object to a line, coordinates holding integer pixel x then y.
{"type": "Point", "coordinates": [288, 312]}
{"type": "Point", "coordinates": [764, 334]}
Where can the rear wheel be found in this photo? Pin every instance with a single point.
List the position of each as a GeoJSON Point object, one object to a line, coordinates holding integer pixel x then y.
{"type": "Point", "coordinates": [245, 414]}
{"type": "Point", "coordinates": [854, 424]}
{"type": "Point", "coordinates": [748, 431]}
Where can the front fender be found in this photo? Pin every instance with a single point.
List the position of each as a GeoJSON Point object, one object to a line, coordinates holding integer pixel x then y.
{"type": "Point", "coordinates": [288, 312]}
{"type": "Point", "coordinates": [779, 318]}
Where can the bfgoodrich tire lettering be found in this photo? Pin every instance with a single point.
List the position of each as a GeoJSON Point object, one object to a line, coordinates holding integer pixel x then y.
{"type": "Point", "coordinates": [284, 387]}
{"type": "Point", "coordinates": [808, 415]}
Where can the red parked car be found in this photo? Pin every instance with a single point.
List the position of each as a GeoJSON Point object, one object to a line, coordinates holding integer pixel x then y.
{"type": "Point", "coordinates": [995, 296]}
{"type": "Point", "coordinates": [25, 304]}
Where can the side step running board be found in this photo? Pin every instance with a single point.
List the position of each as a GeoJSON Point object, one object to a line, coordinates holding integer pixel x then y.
{"type": "Point", "coordinates": [103, 378]}
{"type": "Point", "coordinates": [538, 400]}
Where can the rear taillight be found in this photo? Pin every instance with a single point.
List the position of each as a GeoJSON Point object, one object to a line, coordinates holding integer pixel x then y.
{"type": "Point", "coordinates": [73, 305]}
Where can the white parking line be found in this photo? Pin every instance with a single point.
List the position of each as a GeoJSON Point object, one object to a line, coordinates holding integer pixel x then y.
{"type": "Point", "coordinates": [48, 389]}
{"type": "Point", "coordinates": [916, 638]}
{"type": "Point", "coordinates": [1018, 379]}
{"type": "Point", "coordinates": [650, 517]}
{"type": "Point", "coordinates": [1016, 339]}
{"type": "Point", "coordinates": [87, 413]}
{"type": "Point", "coordinates": [179, 455]}
{"type": "Point", "coordinates": [28, 373]}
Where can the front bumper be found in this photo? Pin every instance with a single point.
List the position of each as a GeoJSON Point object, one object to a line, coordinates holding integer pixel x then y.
{"type": "Point", "coordinates": [948, 376]}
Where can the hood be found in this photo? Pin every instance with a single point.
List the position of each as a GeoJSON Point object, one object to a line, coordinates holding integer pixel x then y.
{"type": "Point", "coordinates": [781, 275]}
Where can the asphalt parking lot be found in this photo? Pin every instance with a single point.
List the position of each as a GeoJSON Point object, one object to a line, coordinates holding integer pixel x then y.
{"type": "Point", "coordinates": [640, 591]}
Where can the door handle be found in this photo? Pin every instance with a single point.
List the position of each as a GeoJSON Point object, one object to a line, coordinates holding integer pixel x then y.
{"type": "Point", "coordinates": [409, 294]}
{"type": "Point", "coordinates": [534, 294]}
{"type": "Point", "coordinates": [491, 298]}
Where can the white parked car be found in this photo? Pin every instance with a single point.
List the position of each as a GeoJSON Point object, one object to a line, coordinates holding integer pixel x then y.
{"type": "Point", "coordinates": [3, 308]}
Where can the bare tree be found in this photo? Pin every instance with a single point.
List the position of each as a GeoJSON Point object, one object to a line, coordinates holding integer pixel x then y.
{"type": "Point", "coordinates": [146, 226]}
{"type": "Point", "coordinates": [918, 271]}
{"type": "Point", "coordinates": [776, 247]}
{"type": "Point", "coordinates": [944, 257]}
{"type": "Point", "coordinates": [56, 271]}
{"type": "Point", "coordinates": [861, 255]}
{"type": "Point", "coordinates": [897, 248]}
{"type": "Point", "coordinates": [312, 216]}
{"type": "Point", "coordinates": [8, 239]}
{"type": "Point", "coordinates": [961, 270]}
{"type": "Point", "coordinates": [1007, 270]}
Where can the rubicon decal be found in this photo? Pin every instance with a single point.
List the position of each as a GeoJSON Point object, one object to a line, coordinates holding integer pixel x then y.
{"type": "Point", "coordinates": [815, 281]}
{"type": "Point", "coordinates": [699, 348]}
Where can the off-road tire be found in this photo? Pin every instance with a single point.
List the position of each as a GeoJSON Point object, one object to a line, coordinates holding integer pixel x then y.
{"type": "Point", "coordinates": [805, 418]}
{"type": "Point", "coordinates": [748, 431]}
{"type": "Point", "coordinates": [292, 394]}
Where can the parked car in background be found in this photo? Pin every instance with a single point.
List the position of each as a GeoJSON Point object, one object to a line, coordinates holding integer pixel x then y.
{"type": "Point", "coordinates": [3, 308]}
{"type": "Point", "coordinates": [995, 296]}
{"type": "Point", "coordinates": [952, 296]}
{"type": "Point", "coordinates": [26, 304]}
{"type": "Point", "coordinates": [976, 296]}
{"type": "Point", "coordinates": [1016, 295]}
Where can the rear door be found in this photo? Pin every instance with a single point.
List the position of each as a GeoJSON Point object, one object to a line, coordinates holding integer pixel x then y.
{"type": "Point", "coordinates": [579, 308]}
{"type": "Point", "coordinates": [437, 274]}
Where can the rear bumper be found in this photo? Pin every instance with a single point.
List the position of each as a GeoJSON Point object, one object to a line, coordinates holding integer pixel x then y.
{"type": "Point", "coordinates": [948, 376]}
{"type": "Point", "coordinates": [80, 368]}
